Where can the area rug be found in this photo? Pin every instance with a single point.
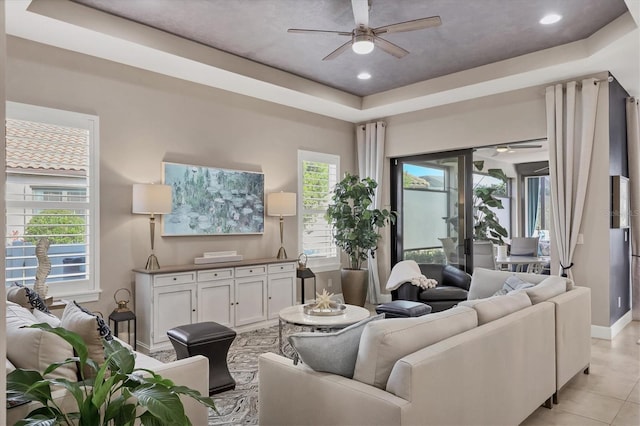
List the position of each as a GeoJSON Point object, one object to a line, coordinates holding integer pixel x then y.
{"type": "Point", "coordinates": [240, 406]}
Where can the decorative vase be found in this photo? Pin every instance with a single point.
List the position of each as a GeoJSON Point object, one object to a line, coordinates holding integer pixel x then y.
{"type": "Point", "coordinates": [354, 286]}
{"type": "Point", "coordinates": [502, 252]}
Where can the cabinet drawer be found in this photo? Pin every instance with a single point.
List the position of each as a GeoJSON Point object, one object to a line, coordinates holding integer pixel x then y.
{"type": "Point", "coordinates": [216, 274]}
{"type": "Point", "coordinates": [249, 271]}
{"type": "Point", "coordinates": [282, 267]}
{"type": "Point", "coordinates": [169, 279]}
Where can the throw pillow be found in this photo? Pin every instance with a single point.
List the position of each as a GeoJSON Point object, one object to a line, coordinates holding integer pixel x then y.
{"type": "Point", "coordinates": [17, 294]}
{"type": "Point", "coordinates": [548, 288]}
{"type": "Point", "coordinates": [485, 282]}
{"type": "Point", "coordinates": [511, 284]}
{"type": "Point", "coordinates": [331, 352]}
{"type": "Point", "coordinates": [90, 327]}
{"type": "Point", "coordinates": [33, 348]}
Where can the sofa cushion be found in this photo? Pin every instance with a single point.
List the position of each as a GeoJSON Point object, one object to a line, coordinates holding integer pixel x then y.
{"type": "Point", "coordinates": [43, 317]}
{"type": "Point", "coordinates": [384, 342]}
{"type": "Point", "coordinates": [513, 283]}
{"type": "Point", "coordinates": [90, 327]}
{"type": "Point", "coordinates": [495, 307]}
{"type": "Point", "coordinates": [550, 287]}
{"type": "Point", "coordinates": [331, 352]}
{"type": "Point", "coordinates": [485, 282]}
{"type": "Point", "coordinates": [443, 292]}
{"type": "Point", "coordinates": [33, 348]}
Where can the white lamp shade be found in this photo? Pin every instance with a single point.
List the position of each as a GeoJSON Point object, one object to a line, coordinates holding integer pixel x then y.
{"type": "Point", "coordinates": [281, 204]}
{"type": "Point", "coordinates": [151, 199]}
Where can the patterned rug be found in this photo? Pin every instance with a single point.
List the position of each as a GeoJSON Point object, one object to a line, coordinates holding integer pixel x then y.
{"type": "Point", "coordinates": [240, 406]}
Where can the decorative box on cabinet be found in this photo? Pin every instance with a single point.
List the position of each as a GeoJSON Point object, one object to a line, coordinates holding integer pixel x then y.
{"type": "Point", "coordinates": [246, 294]}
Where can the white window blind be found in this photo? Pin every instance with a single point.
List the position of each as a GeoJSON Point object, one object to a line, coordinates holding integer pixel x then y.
{"type": "Point", "coordinates": [51, 191]}
{"type": "Point", "coordinates": [317, 177]}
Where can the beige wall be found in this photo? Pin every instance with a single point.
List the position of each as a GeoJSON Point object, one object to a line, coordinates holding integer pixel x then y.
{"type": "Point", "coordinates": [509, 117]}
{"type": "Point", "coordinates": [146, 118]}
{"type": "Point", "coordinates": [3, 340]}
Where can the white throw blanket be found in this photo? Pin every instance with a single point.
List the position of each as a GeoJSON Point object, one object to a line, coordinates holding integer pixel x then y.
{"type": "Point", "coordinates": [408, 271]}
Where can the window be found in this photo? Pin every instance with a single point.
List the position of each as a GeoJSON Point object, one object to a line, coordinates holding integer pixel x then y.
{"type": "Point", "coordinates": [317, 176]}
{"type": "Point", "coordinates": [52, 191]}
{"type": "Point", "coordinates": [502, 193]}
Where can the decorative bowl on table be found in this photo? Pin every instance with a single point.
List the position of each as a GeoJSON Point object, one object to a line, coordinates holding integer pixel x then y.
{"type": "Point", "coordinates": [333, 309]}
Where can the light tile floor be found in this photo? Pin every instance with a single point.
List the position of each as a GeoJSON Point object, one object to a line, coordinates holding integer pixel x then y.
{"type": "Point", "coordinates": [609, 395]}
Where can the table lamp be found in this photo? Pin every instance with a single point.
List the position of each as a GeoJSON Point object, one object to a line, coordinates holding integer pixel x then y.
{"type": "Point", "coordinates": [281, 204]}
{"type": "Point", "coordinates": [152, 200]}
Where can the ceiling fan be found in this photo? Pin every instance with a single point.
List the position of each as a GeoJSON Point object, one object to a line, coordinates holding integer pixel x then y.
{"type": "Point", "coordinates": [364, 38]}
{"type": "Point", "coordinates": [512, 148]}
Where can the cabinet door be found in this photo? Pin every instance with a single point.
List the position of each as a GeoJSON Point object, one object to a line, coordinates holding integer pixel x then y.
{"type": "Point", "coordinates": [216, 301]}
{"type": "Point", "coordinates": [251, 300]}
{"type": "Point", "coordinates": [173, 306]}
{"type": "Point", "coordinates": [281, 293]}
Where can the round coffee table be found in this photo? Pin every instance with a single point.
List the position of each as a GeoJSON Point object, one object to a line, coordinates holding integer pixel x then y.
{"type": "Point", "coordinates": [294, 315]}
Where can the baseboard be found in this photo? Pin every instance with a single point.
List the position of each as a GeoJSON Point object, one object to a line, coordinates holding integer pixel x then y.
{"type": "Point", "coordinates": [608, 333]}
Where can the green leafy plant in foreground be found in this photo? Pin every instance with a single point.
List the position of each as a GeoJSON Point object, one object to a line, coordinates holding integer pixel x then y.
{"type": "Point", "coordinates": [111, 397]}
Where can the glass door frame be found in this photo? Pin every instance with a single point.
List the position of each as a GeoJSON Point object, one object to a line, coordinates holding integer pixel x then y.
{"type": "Point", "coordinates": [465, 199]}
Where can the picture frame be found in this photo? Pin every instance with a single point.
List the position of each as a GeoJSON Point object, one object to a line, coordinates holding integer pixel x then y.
{"type": "Point", "coordinates": [620, 202]}
{"type": "Point", "coordinates": [213, 201]}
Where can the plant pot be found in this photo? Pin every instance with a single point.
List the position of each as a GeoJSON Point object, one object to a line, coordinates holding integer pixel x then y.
{"type": "Point", "coordinates": [355, 283]}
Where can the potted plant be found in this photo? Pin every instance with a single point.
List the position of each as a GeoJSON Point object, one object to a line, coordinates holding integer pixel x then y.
{"type": "Point", "coordinates": [116, 395]}
{"type": "Point", "coordinates": [355, 230]}
{"type": "Point", "coordinates": [486, 225]}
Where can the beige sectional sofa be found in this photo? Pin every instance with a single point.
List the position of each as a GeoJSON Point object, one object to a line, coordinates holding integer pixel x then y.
{"type": "Point", "coordinates": [492, 362]}
{"type": "Point", "coordinates": [32, 348]}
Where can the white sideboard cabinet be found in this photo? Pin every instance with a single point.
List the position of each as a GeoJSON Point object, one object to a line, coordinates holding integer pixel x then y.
{"type": "Point", "coordinates": [246, 294]}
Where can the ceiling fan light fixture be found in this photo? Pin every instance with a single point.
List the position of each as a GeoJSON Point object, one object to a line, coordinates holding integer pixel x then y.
{"type": "Point", "coordinates": [362, 44]}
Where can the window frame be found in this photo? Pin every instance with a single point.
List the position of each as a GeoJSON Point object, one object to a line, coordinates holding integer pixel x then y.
{"type": "Point", "coordinates": [85, 290]}
{"type": "Point", "coordinates": [324, 264]}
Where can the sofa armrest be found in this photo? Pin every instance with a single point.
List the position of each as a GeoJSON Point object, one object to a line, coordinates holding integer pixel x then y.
{"type": "Point", "coordinates": [297, 395]}
{"type": "Point", "coordinates": [194, 373]}
{"type": "Point", "coordinates": [455, 277]}
{"type": "Point", "coordinates": [406, 291]}
{"type": "Point", "coordinates": [573, 333]}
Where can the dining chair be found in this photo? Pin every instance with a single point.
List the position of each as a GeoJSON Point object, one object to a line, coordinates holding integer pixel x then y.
{"type": "Point", "coordinates": [483, 255]}
{"type": "Point", "coordinates": [524, 246]}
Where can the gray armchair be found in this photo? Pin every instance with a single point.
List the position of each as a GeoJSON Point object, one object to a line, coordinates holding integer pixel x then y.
{"type": "Point", "coordinates": [452, 288]}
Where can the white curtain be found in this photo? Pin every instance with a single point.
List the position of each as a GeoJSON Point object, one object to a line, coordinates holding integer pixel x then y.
{"type": "Point", "coordinates": [370, 151]}
{"type": "Point", "coordinates": [633, 147]}
{"type": "Point", "coordinates": [571, 118]}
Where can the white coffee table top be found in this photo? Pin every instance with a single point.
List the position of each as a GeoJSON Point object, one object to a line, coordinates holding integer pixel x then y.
{"type": "Point", "coordinates": [352, 314]}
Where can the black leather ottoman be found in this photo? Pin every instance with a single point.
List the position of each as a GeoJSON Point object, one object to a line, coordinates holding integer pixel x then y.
{"type": "Point", "coordinates": [403, 309]}
{"type": "Point", "coordinates": [211, 340]}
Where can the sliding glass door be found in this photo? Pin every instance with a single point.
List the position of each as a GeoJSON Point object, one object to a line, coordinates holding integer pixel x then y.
{"type": "Point", "coordinates": [430, 193]}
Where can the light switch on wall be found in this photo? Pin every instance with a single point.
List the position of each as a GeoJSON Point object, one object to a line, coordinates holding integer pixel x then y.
{"type": "Point", "coordinates": [580, 239]}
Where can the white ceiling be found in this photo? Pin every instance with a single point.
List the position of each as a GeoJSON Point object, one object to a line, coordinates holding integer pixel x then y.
{"type": "Point", "coordinates": [69, 25]}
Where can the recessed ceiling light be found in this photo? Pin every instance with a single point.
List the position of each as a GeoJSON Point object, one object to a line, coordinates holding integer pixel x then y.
{"type": "Point", "coordinates": [550, 18]}
{"type": "Point", "coordinates": [364, 75]}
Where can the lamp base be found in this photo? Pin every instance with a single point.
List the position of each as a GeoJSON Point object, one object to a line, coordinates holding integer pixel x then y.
{"type": "Point", "coordinates": [152, 263]}
{"type": "Point", "coordinates": [282, 253]}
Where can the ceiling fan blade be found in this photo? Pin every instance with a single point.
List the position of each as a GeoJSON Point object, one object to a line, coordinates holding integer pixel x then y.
{"type": "Point", "coordinates": [339, 51]}
{"type": "Point", "coordinates": [302, 31]}
{"type": "Point", "coordinates": [416, 24]}
{"type": "Point", "coordinates": [524, 146]}
{"type": "Point", "coordinates": [389, 47]}
{"type": "Point", "coordinates": [361, 12]}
